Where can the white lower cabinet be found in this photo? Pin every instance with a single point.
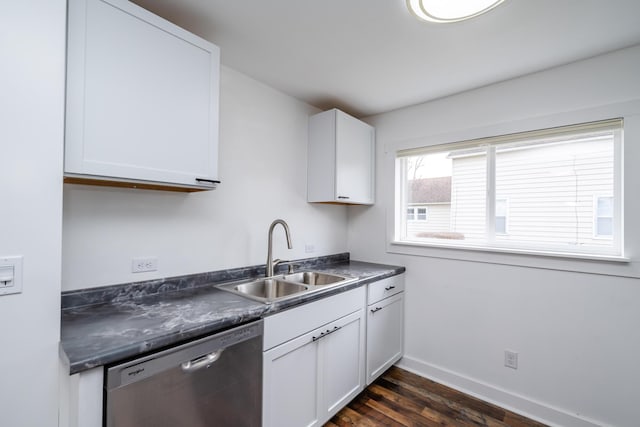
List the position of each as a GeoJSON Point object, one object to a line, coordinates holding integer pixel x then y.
{"type": "Point", "coordinates": [341, 363]}
{"type": "Point", "coordinates": [385, 325]}
{"type": "Point", "coordinates": [80, 397]}
{"type": "Point", "coordinates": [384, 335]}
{"type": "Point", "coordinates": [311, 376]}
{"type": "Point", "coordinates": [290, 384]}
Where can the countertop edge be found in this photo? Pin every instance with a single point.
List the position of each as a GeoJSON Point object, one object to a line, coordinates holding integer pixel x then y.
{"type": "Point", "coordinates": [135, 350]}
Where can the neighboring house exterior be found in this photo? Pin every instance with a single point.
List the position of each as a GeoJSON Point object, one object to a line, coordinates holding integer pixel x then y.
{"type": "Point", "coordinates": [553, 193]}
{"type": "Point", "coordinates": [429, 206]}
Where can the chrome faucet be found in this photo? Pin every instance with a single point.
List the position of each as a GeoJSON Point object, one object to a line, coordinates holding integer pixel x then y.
{"type": "Point", "coordinates": [270, 262]}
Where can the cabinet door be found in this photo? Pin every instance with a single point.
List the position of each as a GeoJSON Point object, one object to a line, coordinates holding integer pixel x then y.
{"type": "Point", "coordinates": [354, 160]}
{"type": "Point", "coordinates": [310, 378]}
{"type": "Point", "coordinates": [290, 383]}
{"type": "Point", "coordinates": [340, 159]}
{"type": "Point", "coordinates": [142, 97]}
{"type": "Point", "coordinates": [384, 334]}
{"type": "Point", "coordinates": [342, 363]}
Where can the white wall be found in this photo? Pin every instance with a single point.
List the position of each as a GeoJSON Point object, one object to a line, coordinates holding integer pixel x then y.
{"type": "Point", "coordinates": [263, 146]}
{"type": "Point", "coordinates": [576, 332]}
{"type": "Point", "coordinates": [32, 42]}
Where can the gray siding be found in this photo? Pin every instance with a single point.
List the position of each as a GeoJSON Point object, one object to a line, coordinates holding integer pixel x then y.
{"type": "Point", "coordinates": [550, 192]}
{"type": "Point", "coordinates": [468, 202]}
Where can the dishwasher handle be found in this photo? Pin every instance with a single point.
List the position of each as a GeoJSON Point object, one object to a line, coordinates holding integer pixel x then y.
{"type": "Point", "coordinates": [201, 362]}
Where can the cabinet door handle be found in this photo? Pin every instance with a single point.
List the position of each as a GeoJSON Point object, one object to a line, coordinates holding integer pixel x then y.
{"type": "Point", "coordinates": [343, 197]}
{"type": "Point", "coordinates": [211, 181]}
{"type": "Point", "coordinates": [325, 333]}
{"type": "Point", "coordinates": [376, 309]}
{"type": "Point", "coordinates": [388, 288]}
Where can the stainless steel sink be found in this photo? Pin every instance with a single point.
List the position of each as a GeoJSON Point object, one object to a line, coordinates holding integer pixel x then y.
{"type": "Point", "coordinates": [315, 278]}
{"type": "Point", "coordinates": [277, 288]}
{"type": "Point", "coordinates": [269, 289]}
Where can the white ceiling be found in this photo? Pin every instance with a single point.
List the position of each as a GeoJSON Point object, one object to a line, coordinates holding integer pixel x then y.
{"type": "Point", "coordinates": [372, 56]}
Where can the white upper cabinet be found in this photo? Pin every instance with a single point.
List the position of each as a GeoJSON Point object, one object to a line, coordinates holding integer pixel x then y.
{"type": "Point", "coordinates": [341, 159]}
{"type": "Point", "coordinates": [142, 99]}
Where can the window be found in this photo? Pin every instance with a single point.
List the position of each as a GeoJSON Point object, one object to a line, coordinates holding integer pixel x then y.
{"type": "Point", "coordinates": [411, 214]}
{"type": "Point", "coordinates": [604, 217]}
{"type": "Point", "coordinates": [550, 191]}
{"type": "Point", "coordinates": [419, 214]}
{"type": "Point", "coordinates": [422, 214]}
{"type": "Point", "coordinates": [501, 215]}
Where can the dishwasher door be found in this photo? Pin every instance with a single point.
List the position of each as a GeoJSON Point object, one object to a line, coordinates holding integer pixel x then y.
{"type": "Point", "coordinates": [215, 381]}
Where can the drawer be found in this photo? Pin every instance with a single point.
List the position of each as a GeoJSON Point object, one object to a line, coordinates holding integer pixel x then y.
{"type": "Point", "coordinates": [385, 288]}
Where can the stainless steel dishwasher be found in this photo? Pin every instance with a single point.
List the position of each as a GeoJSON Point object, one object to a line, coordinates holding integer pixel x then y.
{"type": "Point", "coordinates": [212, 382]}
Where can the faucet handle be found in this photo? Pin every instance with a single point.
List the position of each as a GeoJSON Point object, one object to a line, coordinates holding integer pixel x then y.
{"type": "Point", "coordinates": [275, 262]}
{"type": "Point", "coordinates": [290, 264]}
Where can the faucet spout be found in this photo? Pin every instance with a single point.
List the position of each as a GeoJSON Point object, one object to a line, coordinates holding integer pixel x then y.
{"type": "Point", "coordinates": [270, 263]}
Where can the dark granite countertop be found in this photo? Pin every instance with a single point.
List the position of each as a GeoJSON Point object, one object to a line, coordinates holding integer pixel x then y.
{"type": "Point", "coordinates": [106, 325]}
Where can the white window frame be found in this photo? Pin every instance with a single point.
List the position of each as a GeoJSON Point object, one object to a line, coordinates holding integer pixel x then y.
{"type": "Point", "coordinates": [396, 239]}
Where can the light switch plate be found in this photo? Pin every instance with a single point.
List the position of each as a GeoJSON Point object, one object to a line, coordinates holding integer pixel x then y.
{"type": "Point", "coordinates": [10, 275]}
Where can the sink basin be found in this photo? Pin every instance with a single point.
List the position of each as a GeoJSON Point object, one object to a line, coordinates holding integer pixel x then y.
{"type": "Point", "coordinates": [266, 289]}
{"type": "Point", "coordinates": [315, 278]}
{"type": "Point", "coordinates": [277, 288]}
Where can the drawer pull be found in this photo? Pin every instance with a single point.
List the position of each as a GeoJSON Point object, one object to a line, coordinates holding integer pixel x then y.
{"type": "Point", "coordinates": [325, 333]}
{"type": "Point", "coordinates": [376, 309]}
{"type": "Point", "coordinates": [388, 288]}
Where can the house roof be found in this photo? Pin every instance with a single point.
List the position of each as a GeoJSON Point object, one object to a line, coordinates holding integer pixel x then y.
{"type": "Point", "coordinates": [430, 190]}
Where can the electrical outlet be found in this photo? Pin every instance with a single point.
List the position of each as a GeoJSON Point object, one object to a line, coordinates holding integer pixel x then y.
{"type": "Point", "coordinates": [511, 359]}
{"type": "Point", "coordinates": [309, 248]}
{"type": "Point", "coordinates": [140, 265]}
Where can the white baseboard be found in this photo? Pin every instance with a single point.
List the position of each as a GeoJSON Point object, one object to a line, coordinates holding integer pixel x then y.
{"type": "Point", "coordinates": [503, 398]}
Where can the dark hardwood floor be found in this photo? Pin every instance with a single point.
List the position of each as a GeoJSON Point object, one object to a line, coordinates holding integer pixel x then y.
{"type": "Point", "coordinates": [400, 398]}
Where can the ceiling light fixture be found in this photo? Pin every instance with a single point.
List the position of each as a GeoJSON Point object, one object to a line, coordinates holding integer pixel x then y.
{"type": "Point", "coordinates": [445, 11]}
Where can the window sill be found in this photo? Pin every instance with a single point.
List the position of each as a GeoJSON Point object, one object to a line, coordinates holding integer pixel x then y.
{"type": "Point", "coordinates": [569, 255]}
{"type": "Point", "coordinates": [563, 261]}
